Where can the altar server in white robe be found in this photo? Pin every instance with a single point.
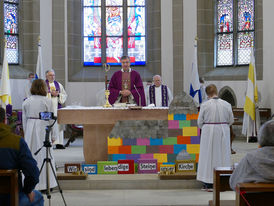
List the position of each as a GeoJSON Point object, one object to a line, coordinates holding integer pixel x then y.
{"type": "Point", "coordinates": [158, 94]}
{"type": "Point", "coordinates": [35, 129]}
{"type": "Point", "coordinates": [58, 96]}
{"type": "Point", "coordinates": [214, 119]}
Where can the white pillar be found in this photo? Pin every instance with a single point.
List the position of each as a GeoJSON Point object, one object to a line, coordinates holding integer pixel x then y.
{"type": "Point", "coordinates": [190, 32]}
{"type": "Point", "coordinates": [167, 43]}
{"type": "Point", "coordinates": [46, 32]}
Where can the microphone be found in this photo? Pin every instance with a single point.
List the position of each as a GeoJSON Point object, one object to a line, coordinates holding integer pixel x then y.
{"type": "Point", "coordinates": [138, 95]}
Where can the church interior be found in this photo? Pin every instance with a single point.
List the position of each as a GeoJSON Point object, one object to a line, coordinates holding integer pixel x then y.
{"type": "Point", "coordinates": [150, 102]}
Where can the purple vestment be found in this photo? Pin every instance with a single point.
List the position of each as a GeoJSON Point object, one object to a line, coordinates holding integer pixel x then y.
{"type": "Point", "coordinates": [57, 87]}
{"type": "Point", "coordinates": [115, 86]}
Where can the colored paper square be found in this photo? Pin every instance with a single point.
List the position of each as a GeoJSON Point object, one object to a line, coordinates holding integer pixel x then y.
{"type": "Point", "coordinates": [175, 132]}
{"type": "Point", "coordinates": [128, 141]}
{"type": "Point", "coordinates": [183, 139]}
{"type": "Point", "coordinates": [171, 158]}
{"type": "Point", "coordinates": [188, 117]}
{"type": "Point", "coordinates": [160, 157]}
{"type": "Point", "coordinates": [115, 141]}
{"type": "Point", "coordinates": [107, 167]}
{"type": "Point", "coordinates": [170, 117]}
{"type": "Point", "coordinates": [194, 116]}
{"type": "Point", "coordinates": [184, 123]}
{"type": "Point", "coordinates": [193, 156]}
{"type": "Point", "coordinates": [195, 140]}
{"type": "Point", "coordinates": [134, 157]}
{"type": "Point", "coordinates": [170, 141]}
{"type": "Point", "coordinates": [157, 141]}
{"type": "Point", "coordinates": [146, 156]}
{"type": "Point", "coordinates": [151, 149]}
{"type": "Point", "coordinates": [179, 117]}
{"type": "Point", "coordinates": [143, 141]}
{"type": "Point", "coordinates": [190, 131]}
{"type": "Point", "coordinates": [90, 169]}
{"type": "Point", "coordinates": [197, 158]}
{"type": "Point", "coordinates": [113, 149]}
{"type": "Point", "coordinates": [126, 167]}
{"type": "Point", "coordinates": [193, 148]}
{"type": "Point", "coordinates": [178, 148]}
{"type": "Point", "coordinates": [137, 149]}
{"type": "Point", "coordinates": [147, 166]}
{"type": "Point", "coordinates": [159, 166]}
{"type": "Point", "coordinates": [168, 149]}
{"type": "Point", "coordinates": [110, 157]}
{"type": "Point", "coordinates": [173, 124]}
{"type": "Point", "coordinates": [193, 123]}
{"type": "Point", "coordinates": [117, 157]}
{"type": "Point", "coordinates": [125, 150]}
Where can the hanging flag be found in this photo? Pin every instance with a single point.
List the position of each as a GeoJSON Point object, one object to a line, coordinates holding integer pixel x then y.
{"type": "Point", "coordinates": [5, 91]}
{"type": "Point", "coordinates": [39, 66]}
{"type": "Point", "coordinates": [195, 87]}
{"type": "Point", "coordinates": [251, 120]}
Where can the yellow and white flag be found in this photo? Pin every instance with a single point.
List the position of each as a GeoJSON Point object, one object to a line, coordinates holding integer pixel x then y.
{"type": "Point", "coordinates": [251, 121]}
{"type": "Point", "coordinates": [5, 91]}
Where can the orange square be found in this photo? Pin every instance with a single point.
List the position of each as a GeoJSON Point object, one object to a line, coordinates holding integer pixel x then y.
{"type": "Point", "coordinates": [125, 150]}
{"type": "Point", "coordinates": [158, 166]}
{"type": "Point", "coordinates": [197, 158]}
{"type": "Point", "coordinates": [194, 116]}
{"type": "Point", "coordinates": [113, 149]}
{"type": "Point", "coordinates": [188, 116]}
{"type": "Point", "coordinates": [183, 140]}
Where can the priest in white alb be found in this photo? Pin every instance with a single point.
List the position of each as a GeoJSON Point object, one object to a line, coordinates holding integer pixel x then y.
{"type": "Point", "coordinates": [58, 96]}
{"type": "Point", "coordinates": [214, 119]}
{"type": "Point", "coordinates": [158, 94]}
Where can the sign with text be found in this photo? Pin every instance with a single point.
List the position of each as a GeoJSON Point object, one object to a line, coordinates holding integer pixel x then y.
{"type": "Point", "coordinates": [107, 167]}
{"type": "Point", "coordinates": [89, 169]}
{"type": "Point", "coordinates": [147, 166]}
{"type": "Point", "coordinates": [72, 167]}
{"type": "Point", "coordinates": [165, 168]}
{"type": "Point", "coordinates": [185, 166]}
{"type": "Point", "coordinates": [125, 166]}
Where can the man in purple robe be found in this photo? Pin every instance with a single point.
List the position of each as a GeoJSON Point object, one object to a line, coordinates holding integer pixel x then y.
{"type": "Point", "coordinates": [126, 85]}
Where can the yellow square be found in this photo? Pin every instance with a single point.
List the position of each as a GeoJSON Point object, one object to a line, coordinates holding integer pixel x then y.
{"type": "Point", "coordinates": [170, 116]}
{"type": "Point", "coordinates": [193, 148]}
{"type": "Point", "coordinates": [190, 131]}
{"type": "Point", "coordinates": [115, 141]}
{"type": "Point", "coordinates": [160, 157]}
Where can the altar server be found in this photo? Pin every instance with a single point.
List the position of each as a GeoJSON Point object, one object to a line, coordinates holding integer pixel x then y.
{"type": "Point", "coordinates": [158, 94]}
{"type": "Point", "coordinates": [58, 96]}
{"type": "Point", "coordinates": [214, 119]}
{"type": "Point", "coordinates": [35, 129]}
{"type": "Point", "coordinates": [126, 85]}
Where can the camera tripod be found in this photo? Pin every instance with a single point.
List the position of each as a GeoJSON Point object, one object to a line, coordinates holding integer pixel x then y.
{"type": "Point", "coordinates": [48, 163]}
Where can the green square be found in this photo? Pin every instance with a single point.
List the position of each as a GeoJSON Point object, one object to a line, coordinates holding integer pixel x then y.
{"type": "Point", "coordinates": [184, 123]}
{"type": "Point", "coordinates": [170, 141]}
{"type": "Point", "coordinates": [137, 149]}
{"type": "Point", "coordinates": [193, 156]}
{"type": "Point", "coordinates": [101, 167]}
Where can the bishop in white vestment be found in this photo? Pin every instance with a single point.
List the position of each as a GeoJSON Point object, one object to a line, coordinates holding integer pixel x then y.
{"type": "Point", "coordinates": [214, 119]}
{"type": "Point", "coordinates": [58, 96]}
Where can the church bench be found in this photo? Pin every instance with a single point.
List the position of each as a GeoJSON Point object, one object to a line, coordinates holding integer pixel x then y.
{"type": "Point", "coordinates": [256, 194]}
{"type": "Point", "coordinates": [9, 185]}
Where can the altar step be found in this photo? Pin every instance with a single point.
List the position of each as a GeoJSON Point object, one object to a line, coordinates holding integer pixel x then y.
{"type": "Point", "coordinates": [124, 182]}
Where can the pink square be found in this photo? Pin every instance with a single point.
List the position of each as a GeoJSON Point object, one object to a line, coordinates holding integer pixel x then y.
{"type": "Point", "coordinates": [143, 141]}
{"type": "Point", "coordinates": [173, 124]}
{"type": "Point", "coordinates": [147, 166]}
{"type": "Point", "coordinates": [146, 156]}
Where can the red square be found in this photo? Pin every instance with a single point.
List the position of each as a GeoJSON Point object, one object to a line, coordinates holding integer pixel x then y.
{"type": "Point", "coordinates": [125, 166]}
{"type": "Point", "coordinates": [183, 140]}
{"type": "Point", "coordinates": [168, 149]}
{"type": "Point", "coordinates": [125, 150]}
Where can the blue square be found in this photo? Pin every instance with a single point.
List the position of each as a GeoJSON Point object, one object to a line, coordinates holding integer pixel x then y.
{"type": "Point", "coordinates": [116, 157]}
{"type": "Point", "coordinates": [178, 148]}
{"type": "Point", "coordinates": [89, 169]}
{"type": "Point", "coordinates": [158, 141]}
{"type": "Point", "coordinates": [179, 117]}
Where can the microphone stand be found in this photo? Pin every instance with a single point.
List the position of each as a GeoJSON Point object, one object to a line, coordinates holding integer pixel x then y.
{"type": "Point", "coordinates": [47, 160]}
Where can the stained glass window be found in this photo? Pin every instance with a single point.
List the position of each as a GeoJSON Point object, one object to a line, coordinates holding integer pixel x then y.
{"type": "Point", "coordinates": [234, 46]}
{"type": "Point", "coordinates": [104, 36]}
{"type": "Point", "coordinates": [11, 30]}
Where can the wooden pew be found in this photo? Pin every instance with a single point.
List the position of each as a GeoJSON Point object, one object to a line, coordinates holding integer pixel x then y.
{"type": "Point", "coordinates": [9, 185]}
{"type": "Point", "coordinates": [256, 194]}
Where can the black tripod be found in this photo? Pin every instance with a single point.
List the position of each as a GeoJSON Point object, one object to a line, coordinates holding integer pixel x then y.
{"type": "Point", "coordinates": [47, 160]}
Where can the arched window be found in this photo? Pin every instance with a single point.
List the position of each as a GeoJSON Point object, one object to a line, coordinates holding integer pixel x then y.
{"type": "Point", "coordinates": [228, 95]}
{"type": "Point", "coordinates": [234, 32]}
{"type": "Point", "coordinates": [11, 30]}
{"type": "Point", "coordinates": [112, 28]}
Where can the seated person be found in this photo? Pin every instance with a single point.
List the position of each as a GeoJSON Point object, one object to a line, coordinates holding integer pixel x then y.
{"type": "Point", "coordinates": [257, 166]}
{"type": "Point", "coordinates": [15, 154]}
